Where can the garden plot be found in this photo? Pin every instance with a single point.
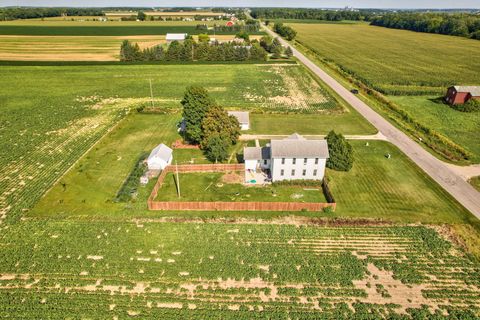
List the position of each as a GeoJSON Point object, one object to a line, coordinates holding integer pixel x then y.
{"type": "Point", "coordinates": [199, 270]}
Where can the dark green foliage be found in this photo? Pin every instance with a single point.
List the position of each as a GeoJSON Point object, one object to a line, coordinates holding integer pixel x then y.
{"type": "Point", "coordinates": [463, 25]}
{"type": "Point", "coordinates": [35, 13]}
{"type": "Point", "coordinates": [130, 52]}
{"type": "Point", "coordinates": [141, 16]}
{"type": "Point", "coordinates": [189, 50]}
{"type": "Point", "coordinates": [216, 148]}
{"type": "Point", "coordinates": [340, 151]}
{"type": "Point", "coordinates": [218, 122]}
{"type": "Point", "coordinates": [289, 52]}
{"type": "Point", "coordinates": [313, 14]}
{"type": "Point", "coordinates": [277, 52]}
{"type": "Point", "coordinates": [196, 103]}
{"type": "Point", "coordinates": [130, 186]}
{"type": "Point", "coordinates": [243, 35]}
{"type": "Point", "coordinates": [471, 105]}
{"type": "Point", "coordinates": [285, 31]}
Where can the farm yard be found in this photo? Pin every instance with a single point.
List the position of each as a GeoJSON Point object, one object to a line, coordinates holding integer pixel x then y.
{"type": "Point", "coordinates": [381, 58]}
{"type": "Point", "coordinates": [85, 106]}
{"type": "Point", "coordinates": [211, 270]}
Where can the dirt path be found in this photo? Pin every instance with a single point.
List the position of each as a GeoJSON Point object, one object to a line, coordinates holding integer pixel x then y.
{"type": "Point", "coordinates": [246, 137]}
{"type": "Point", "coordinates": [448, 179]}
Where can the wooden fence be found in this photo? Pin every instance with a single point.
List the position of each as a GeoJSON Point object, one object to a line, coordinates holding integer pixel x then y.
{"type": "Point", "coordinates": [221, 205]}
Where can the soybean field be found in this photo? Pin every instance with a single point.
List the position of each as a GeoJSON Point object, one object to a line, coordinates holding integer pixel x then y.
{"type": "Point", "coordinates": [243, 271]}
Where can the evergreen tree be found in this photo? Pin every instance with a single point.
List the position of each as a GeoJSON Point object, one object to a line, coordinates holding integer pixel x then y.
{"type": "Point", "coordinates": [188, 50]}
{"type": "Point", "coordinates": [159, 53]}
{"type": "Point", "coordinates": [196, 103]}
{"type": "Point", "coordinates": [289, 52]}
{"type": "Point", "coordinates": [174, 51]}
{"type": "Point", "coordinates": [340, 151]}
{"type": "Point", "coordinates": [257, 53]}
{"type": "Point", "coordinates": [277, 52]}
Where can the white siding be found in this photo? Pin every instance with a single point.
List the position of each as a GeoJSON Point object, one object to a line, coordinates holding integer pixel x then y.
{"type": "Point", "coordinates": [251, 164]}
{"type": "Point", "coordinates": [244, 126]}
{"type": "Point", "coordinates": [299, 166]}
{"type": "Point", "coordinates": [156, 163]}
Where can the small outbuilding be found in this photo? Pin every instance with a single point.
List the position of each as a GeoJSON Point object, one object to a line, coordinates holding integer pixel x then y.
{"type": "Point", "coordinates": [175, 37]}
{"type": "Point", "coordinates": [159, 158]}
{"type": "Point", "coordinates": [243, 118]}
{"type": "Point", "coordinates": [462, 94]}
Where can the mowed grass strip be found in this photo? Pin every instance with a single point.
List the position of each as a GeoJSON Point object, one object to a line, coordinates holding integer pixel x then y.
{"type": "Point", "coordinates": [394, 59]}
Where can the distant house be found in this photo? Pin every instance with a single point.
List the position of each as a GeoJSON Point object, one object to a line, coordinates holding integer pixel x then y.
{"type": "Point", "coordinates": [175, 37]}
{"type": "Point", "coordinates": [159, 158]}
{"type": "Point", "coordinates": [462, 94]}
{"type": "Point", "coordinates": [243, 118]}
{"type": "Point", "coordinates": [293, 158]}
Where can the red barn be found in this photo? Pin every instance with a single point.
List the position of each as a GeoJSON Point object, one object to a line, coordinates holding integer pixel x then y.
{"type": "Point", "coordinates": [461, 94]}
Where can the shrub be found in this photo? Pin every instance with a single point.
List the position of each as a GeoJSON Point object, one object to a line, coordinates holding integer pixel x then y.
{"type": "Point", "coordinates": [341, 152]}
{"type": "Point", "coordinates": [471, 105]}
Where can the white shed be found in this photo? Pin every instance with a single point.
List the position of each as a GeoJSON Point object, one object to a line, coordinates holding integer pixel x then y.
{"type": "Point", "coordinates": [160, 157]}
{"type": "Point", "coordinates": [243, 118]}
{"type": "Point", "coordinates": [175, 37]}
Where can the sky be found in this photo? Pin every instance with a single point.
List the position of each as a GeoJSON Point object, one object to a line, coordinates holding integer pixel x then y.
{"type": "Point", "coordinates": [252, 3]}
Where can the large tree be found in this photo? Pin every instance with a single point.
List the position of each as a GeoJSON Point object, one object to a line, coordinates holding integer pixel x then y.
{"type": "Point", "coordinates": [216, 148]}
{"type": "Point", "coordinates": [217, 121]}
{"type": "Point", "coordinates": [340, 151]}
{"type": "Point", "coordinates": [196, 102]}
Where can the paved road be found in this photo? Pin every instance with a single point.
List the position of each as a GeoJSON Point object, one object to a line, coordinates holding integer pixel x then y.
{"type": "Point", "coordinates": [245, 137]}
{"type": "Point", "coordinates": [450, 180]}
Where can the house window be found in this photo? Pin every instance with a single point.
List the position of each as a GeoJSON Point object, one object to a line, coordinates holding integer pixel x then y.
{"type": "Point", "coordinates": [294, 160]}
{"type": "Point", "coordinates": [265, 162]}
{"type": "Point", "coordinates": [282, 172]}
{"type": "Point", "coordinates": [304, 160]}
{"type": "Point", "coordinates": [304, 173]}
{"type": "Point", "coordinates": [293, 172]}
{"type": "Point", "coordinates": [283, 160]}
{"type": "Point", "coordinates": [315, 172]}
{"type": "Point", "coordinates": [316, 160]}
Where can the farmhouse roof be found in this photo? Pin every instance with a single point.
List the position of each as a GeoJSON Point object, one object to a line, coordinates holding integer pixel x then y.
{"type": "Point", "coordinates": [474, 90]}
{"type": "Point", "coordinates": [242, 116]}
{"type": "Point", "coordinates": [296, 146]}
{"type": "Point", "coordinates": [161, 152]}
{"type": "Point", "coordinates": [256, 153]}
{"type": "Point", "coordinates": [175, 36]}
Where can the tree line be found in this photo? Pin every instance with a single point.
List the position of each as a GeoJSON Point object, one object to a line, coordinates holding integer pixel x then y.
{"type": "Point", "coordinates": [190, 50]}
{"type": "Point", "coordinates": [311, 14]}
{"type": "Point", "coordinates": [37, 13]}
{"type": "Point", "coordinates": [249, 26]}
{"type": "Point", "coordinates": [285, 31]}
{"type": "Point", "coordinates": [464, 25]}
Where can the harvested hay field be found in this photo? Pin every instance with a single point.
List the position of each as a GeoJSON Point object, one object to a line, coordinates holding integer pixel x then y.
{"type": "Point", "coordinates": [232, 271]}
{"type": "Point", "coordinates": [68, 48]}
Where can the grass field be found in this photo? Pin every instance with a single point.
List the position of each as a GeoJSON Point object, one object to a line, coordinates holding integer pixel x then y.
{"type": "Point", "coordinates": [229, 187]}
{"type": "Point", "coordinates": [59, 112]}
{"type": "Point", "coordinates": [381, 58]}
{"type": "Point", "coordinates": [232, 271]}
{"type": "Point", "coordinates": [475, 182]}
{"type": "Point", "coordinates": [461, 127]}
{"type": "Point", "coordinates": [74, 48]}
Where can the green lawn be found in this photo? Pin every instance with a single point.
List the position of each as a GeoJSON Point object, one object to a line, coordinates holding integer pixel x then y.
{"type": "Point", "coordinates": [475, 182]}
{"type": "Point", "coordinates": [211, 187]}
{"type": "Point", "coordinates": [461, 127]}
{"type": "Point", "coordinates": [392, 189]}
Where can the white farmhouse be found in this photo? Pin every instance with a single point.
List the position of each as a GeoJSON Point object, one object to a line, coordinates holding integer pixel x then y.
{"type": "Point", "coordinates": [175, 37]}
{"type": "Point", "coordinates": [243, 118]}
{"type": "Point", "coordinates": [293, 158]}
{"type": "Point", "coordinates": [159, 158]}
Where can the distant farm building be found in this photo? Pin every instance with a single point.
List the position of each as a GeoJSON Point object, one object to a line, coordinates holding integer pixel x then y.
{"type": "Point", "coordinates": [462, 94]}
{"type": "Point", "coordinates": [159, 158]}
{"type": "Point", "coordinates": [229, 23]}
{"type": "Point", "coordinates": [243, 118]}
{"type": "Point", "coordinates": [175, 37]}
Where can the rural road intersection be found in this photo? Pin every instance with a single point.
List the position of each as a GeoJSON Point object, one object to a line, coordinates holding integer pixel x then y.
{"type": "Point", "coordinates": [450, 180]}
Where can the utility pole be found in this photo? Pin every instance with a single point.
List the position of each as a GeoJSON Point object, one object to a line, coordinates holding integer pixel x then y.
{"type": "Point", "coordinates": [178, 180]}
{"type": "Point", "coordinates": [151, 93]}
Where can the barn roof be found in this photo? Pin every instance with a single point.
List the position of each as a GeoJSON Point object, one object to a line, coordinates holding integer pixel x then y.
{"type": "Point", "coordinates": [474, 90]}
{"type": "Point", "coordinates": [242, 116]}
{"type": "Point", "coordinates": [296, 146]}
{"type": "Point", "coordinates": [161, 152]}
